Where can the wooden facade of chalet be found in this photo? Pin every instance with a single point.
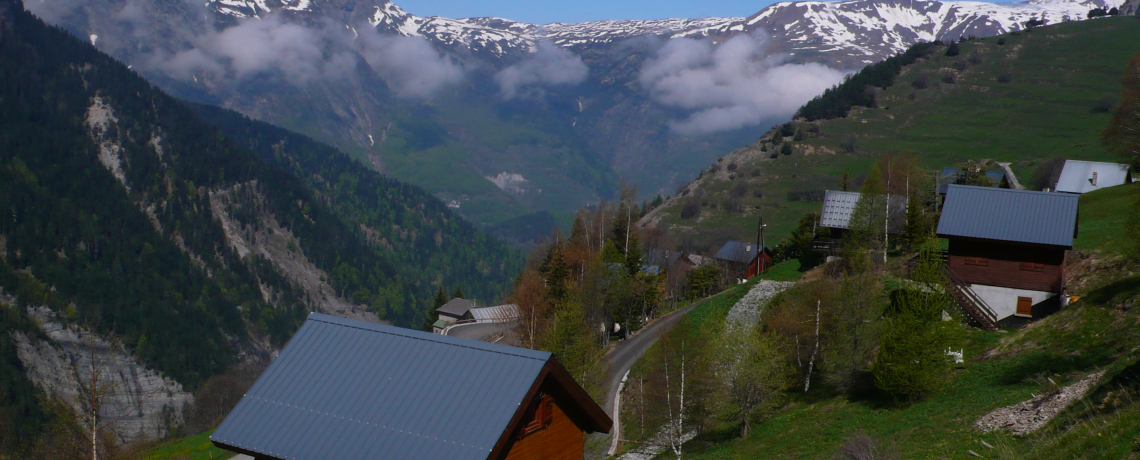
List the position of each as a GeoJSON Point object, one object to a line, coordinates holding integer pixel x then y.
{"type": "Point", "coordinates": [1018, 266]}
{"type": "Point", "coordinates": [1007, 251]}
{"type": "Point", "coordinates": [346, 389]}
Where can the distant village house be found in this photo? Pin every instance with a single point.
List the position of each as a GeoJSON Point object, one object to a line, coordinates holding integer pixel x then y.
{"type": "Point", "coordinates": [741, 261]}
{"type": "Point", "coordinates": [1087, 176]}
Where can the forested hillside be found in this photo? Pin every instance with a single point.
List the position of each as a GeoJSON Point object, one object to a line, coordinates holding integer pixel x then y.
{"type": "Point", "coordinates": [193, 247]}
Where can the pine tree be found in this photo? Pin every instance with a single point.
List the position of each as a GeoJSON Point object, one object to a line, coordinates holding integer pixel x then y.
{"type": "Point", "coordinates": [458, 293]}
{"type": "Point", "coordinates": [433, 312]}
{"type": "Point", "coordinates": [912, 362]}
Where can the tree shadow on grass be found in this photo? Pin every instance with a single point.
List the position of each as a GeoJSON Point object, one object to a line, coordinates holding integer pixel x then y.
{"type": "Point", "coordinates": [1115, 292]}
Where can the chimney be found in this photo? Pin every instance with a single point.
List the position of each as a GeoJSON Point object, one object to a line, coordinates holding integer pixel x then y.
{"type": "Point", "coordinates": [1093, 180]}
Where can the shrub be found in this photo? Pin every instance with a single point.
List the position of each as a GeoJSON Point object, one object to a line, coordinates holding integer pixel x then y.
{"type": "Point", "coordinates": [1001, 41]}
{"type": "Point", "coordinates": [732, 205]}
{"type": "Point", "coordinates": [787, 129]}
{"type": "Point", "coordinates": [961, 65]}
{"type": "Point", "coordinates": [912, 96]}
{"type": "Point", "coordinates": [755, 172]}
{"type": "Point", "coordinates": [1034, 22]}
{"type": "Point", "coordinates": [975, 58]}
{"type": "Point", "coordinates": [739, 190]}
{"type": "Point", "coordinates": [953, 50]}
{"type": "Point", "coordinates": [950, 78]}
{"type": "Point", "coordinates": [758, 193]}
{"type": "Point", "coordinates": [786, 149]}
{"type": "Point", "coordinates": [1105, 104]}
{"type": "Point", "coordinates": [691, 209]}
{"type": "Point", "coordinates": [921, 82]}
{"type": "Point", "coordinates": [849, 142]}
{"type": "Point", "coordinates": [778, 137]}
{"type": "Point", "coordinates": [774, 155]}
{"type": "Point", "coordinates": [732, 166]}
{"type": "Point", "coordinates": [1096, 13]}
{"type": "Point", "coordinates": [714, 168]}
{"type": "Point", "coordinates": [1005, 77]}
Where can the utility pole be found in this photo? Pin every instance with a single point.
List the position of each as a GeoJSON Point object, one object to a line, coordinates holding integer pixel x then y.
{"type": "Point", "coordinates": [759, 244]}
{"type": "Point", "coordinates": [887, 215]}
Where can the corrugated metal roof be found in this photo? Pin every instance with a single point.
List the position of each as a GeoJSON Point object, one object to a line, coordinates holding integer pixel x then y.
{"type": "Point", "coordinates": [1009, 215]}
{"type": "Point", "coordinates": [1077, 176]}
{"type": "Point", "coordinates": [736, 251]}
{"type": "Point", "coordinates": [837, 208]}
{"type": "Point", "coordinates": [346, 389]}
{"type": "Point", "coordinates": [497, 314]}
{"type": "Point", "coordinates": [456, 307]}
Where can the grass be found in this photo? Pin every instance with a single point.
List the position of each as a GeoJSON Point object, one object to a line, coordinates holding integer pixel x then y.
{"type": "Point", "coordinates": [197, 447]}
{"type": "Point", "coordinates": [1103, 214]}
{"type": "Point", "coordinates": [1046, 110]}
{"type": "Point", "coordinates": [788, 270]}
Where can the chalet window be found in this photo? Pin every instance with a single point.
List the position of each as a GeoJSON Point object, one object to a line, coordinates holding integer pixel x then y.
{"type": "Point", "coordinates": [1032, 267]}
{"type": "Point", "coordinates": [539, 415]}
{"type": "Point", "coordinates": [978, 261]}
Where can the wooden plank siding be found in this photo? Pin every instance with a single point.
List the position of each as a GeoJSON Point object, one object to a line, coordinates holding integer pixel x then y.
{"type": "Point", "coordinates": [1030, 267]}
{"type": "Point", "coordinates": [561, 440]}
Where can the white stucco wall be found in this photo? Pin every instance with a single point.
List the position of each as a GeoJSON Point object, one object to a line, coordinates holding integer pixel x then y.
{"type": "Point", "coordinates": [1003, 301]}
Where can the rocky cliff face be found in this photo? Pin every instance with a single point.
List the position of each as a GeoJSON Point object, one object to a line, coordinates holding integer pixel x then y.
{"type": "Point", "coordinates": [133, 401]}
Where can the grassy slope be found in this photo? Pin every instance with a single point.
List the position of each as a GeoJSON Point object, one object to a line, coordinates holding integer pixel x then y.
{"type": "Point", "coordinates": [1058, 73]}
{"type": "Point", "coordinates": [1103, 213]}
{"type": "Point", "coordinates": [197, 447]}
{"type": "Point", "coordinates": [1095, 333]}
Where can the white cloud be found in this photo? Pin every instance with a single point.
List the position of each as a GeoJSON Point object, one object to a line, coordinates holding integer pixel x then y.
{"type": "Point", "coordinates": [731, 85]}
{"type": "Point", "coordinates": [548, 65]}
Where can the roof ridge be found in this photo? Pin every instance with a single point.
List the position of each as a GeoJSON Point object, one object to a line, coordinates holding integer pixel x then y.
{"type": "Point", "coordinates": [1009, 190]}
{"type": "Point", "coordinates": [474, 346]}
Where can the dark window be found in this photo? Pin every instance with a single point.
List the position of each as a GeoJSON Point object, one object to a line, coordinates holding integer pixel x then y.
{"type": "Point", "coordinates": [539, 415]}
{"type": "Point", "coordinates": [1032, 267]}
{"type": "Point", "coordinates": [978, 261]}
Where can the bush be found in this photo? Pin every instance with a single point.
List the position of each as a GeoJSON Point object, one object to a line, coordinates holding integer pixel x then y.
{"type": "Point", "coordinates": [950, 78]}
{"type": "Point", "coordinates": [953, 50]}
{"type": "Point", "coordinates": [786, 149]}
{"type": "Point", "coordinates": [975, 58]}
{"type": "Point", "coordinates": [690, 210]}
{"type": "Point", "coordinates": [912, 96]}
{"type": "Point", "coordinates": [739, 190]}
{"type": "Point", "coordinates": [774, 155]}
{"type": "Point", "coordinates": [921, 82]}
{"type": "Point", "coordinates": [849, 143]}
{"type": "Point", "coordinates": [787, 129]}
{"type": "Point", "coordinates": [758, 193]}
{"type": "Point", "coordinates": [732, 166]}
{"type": "Point", "coordinates": [961, 65]}
{"type": "Point", "coordinates": [732, 205]}
{"type": "Point", "coordinates": [1005, 77]}
{"type": "Point", "coordinates": [755, 172]}
{"type": "Point", "coordinates": [1096, 13]}
{"type": "Point", "coordinates": [1001, 41]}
{"type": "Point", "coordinates": [1105, 104]}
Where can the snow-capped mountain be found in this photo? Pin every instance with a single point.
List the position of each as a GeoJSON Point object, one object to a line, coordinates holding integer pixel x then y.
{"type": "Point", "coordinates": [470, 99]}
{"type": "Point", "coordinates": [853, 32]}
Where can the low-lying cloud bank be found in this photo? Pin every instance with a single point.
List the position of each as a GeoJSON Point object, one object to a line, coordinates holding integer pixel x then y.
{"type": "Point", "coordinates": [731, 85]}
{"type": "Point", "coordinates": [549, 65]}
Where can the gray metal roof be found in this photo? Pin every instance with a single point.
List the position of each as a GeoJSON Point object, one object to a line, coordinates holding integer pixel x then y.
{"type": "Point", "coordinates": [736, 251]}
{"type": "Point", "coordinates": [346, 389]}
{"type": "Point", "coordinates": [456, 307]}
{"type": "Point", "coordinates": [837, 208]}
{"type": "Point", "coordinates": [1009, 215]}
{"type": "Point", "coordinates": [1077, 176]}
{"type": "Point", "coordinates": [497, 314]}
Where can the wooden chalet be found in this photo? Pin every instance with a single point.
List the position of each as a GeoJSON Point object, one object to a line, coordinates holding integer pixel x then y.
{"type": "Point", "coordinates": [835, 219]}
{"type": "Point", "coordinates": [1007, 252]}
{"type": "Point", "coordinates": [741, 261]}
{"type": "Point", "coordinates": [347, 389]}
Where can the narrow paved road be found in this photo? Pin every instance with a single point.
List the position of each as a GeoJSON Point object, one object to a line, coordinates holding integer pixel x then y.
{"type": "Point", "coordinates": [486, 332]}
{"type": "Point", "coordinates": [619, 360]}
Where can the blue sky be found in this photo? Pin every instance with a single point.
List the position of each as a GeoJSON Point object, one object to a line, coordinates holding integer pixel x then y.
{"type": "Point", "coordinates": [546, 11]}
